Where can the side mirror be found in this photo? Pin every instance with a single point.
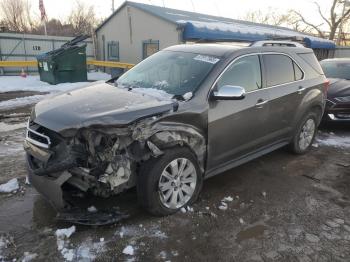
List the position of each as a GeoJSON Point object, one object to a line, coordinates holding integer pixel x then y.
{"type": "Point", "coordinates": [228, 92]}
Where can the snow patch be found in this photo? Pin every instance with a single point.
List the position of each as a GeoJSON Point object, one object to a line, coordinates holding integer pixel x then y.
{"type": "Point", "coordinates": [65, 232]}
{"type": "Point", "coordinates": [92, 209]}
{"type": "Point", "coordinates": [334, 141]}
{"type": "Point", "coordinates": [27, 256]}
{"type": "Point", "coordinates": [160, 95]}
{"type": "Point", "coordinates": [136, 231]}
{"type": "Point", "coordinates": [187, 96]}
{"type": "Point", "coordinates": [227, 199]}
{"type": "Point", "coordinates": [22, 101]}
{"type": "Point", "coordinates": [128, 250]}
{"type": "Point", "coordinates": [33, 83]}
{"type": "Point", "coordinates": [97, 76]}
{"type": "Point", "coordinates": [223, 206]}
{"type": "Point", "coordinates": [6, 127]}
{"type": "Point", "coordinates": [89, 250]}
{"type": "Point", "coordinates": [10, 186]}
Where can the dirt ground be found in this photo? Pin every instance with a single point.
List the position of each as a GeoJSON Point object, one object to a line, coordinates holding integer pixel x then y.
{"type": "Point", "coordinates": [284, 208]}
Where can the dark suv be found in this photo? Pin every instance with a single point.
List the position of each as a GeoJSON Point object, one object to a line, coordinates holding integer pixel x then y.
{"type": "Point", "coordinates": [187, 113]}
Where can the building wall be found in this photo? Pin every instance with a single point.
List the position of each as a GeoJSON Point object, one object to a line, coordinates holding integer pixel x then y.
{"type": "Point", "coordinates": [25, 47]}
{"type": "Point", "coordinates": [143, 27]}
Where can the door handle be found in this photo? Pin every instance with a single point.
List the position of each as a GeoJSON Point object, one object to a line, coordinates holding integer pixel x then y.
{"type": "Point", "coordinates": [301, 90]}
{"type": "Point", "coordinates": [261, 102]}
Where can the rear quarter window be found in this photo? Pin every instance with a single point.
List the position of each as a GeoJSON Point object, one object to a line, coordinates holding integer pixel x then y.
{"type": "Point", "coordinates": [312, 61]}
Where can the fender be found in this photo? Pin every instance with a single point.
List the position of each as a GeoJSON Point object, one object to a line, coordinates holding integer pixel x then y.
{"type": "Point", "coordinates": [314, 98]}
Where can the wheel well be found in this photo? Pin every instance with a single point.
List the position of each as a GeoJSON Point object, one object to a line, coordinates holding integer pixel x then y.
{"type": "Point", "coordinates": [318, 110]}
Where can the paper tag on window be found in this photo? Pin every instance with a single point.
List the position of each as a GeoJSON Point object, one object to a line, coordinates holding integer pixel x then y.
{"type": "Point", "coordinates": [207, 59]}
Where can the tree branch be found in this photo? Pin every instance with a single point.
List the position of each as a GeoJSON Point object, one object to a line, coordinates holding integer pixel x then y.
{"type": "Point", "coordinates": [323, 17]}
{"type": "Point", "coordinates": [310, 24]}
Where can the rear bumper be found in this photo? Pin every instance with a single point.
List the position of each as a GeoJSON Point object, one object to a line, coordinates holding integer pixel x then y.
{"type": "Point", "coordinates": [49, 187]}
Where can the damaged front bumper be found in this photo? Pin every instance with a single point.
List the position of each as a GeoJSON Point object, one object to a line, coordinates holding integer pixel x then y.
{"type": "Point", "coordinates": [49, 187]}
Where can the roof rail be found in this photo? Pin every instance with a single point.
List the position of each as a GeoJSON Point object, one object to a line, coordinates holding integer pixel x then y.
{"type": "Point", "coordinates": [277, 43]}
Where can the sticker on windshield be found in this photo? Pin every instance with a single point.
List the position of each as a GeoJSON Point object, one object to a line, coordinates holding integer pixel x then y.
{"type": "Point", "coordinates": [207, 59]}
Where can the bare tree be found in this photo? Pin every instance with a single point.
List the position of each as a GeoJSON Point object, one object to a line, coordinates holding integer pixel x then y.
{"type": "Point", "coordinates": [16, 15]}
{"type": "Point", "coordinates": [271, 17]}
{"type": "Point", "coordinates": [339, 13]}
{"type": "Point", "coordinates": [82, 18]}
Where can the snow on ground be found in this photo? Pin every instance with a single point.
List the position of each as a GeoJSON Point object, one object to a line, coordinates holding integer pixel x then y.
{"type": "Point", "coordinates": [7, 127]}
{"type": "Point", "coordinates": [33, 83]}
{"type": "Point", "coordinates": [27, 256]}
{"type": "Point", "coordinates": [63, 242]}
{"type": "Point", "coordinates": [10, 186]}
{"type": "Point", "coordinates": [21, 101]}
{"type": "Point", "coordinates": [128, 250]}
{"type": "Point", "coordinates": [88, 250]}
{"type": "Point", "coordinates": [334, 140]}
{"type": "Point", "coordinates": [139, 232]}
{"type": "Point", "coordinates": [95, 76]}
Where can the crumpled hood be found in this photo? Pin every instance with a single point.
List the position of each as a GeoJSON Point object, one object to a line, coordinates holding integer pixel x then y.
{"type": "Point", "coordinates": [97, 104]}
{"type": "Point", "coordinates": [338, 87]}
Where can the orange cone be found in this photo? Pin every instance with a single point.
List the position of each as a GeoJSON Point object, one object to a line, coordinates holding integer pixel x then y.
{"type": "Point", "coordinates": [23, 73]}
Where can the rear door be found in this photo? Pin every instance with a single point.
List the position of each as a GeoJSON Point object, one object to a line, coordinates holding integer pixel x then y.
{"type": "Point", "coordinates": [286, 89]}
{"type": "Point", "coordinates": [237, 127]}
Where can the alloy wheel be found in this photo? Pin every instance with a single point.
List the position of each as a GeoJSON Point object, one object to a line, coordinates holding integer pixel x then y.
{"type": "Point", "coordinates": [177, 183]}
{"type": "Point", "coordinates": [306, 134]}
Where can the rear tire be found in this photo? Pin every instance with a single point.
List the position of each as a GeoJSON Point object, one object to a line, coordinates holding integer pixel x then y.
{"type": "Point", "coordinates": [162, 187]}
{"type": "Point", "coordinates": [305, 133]}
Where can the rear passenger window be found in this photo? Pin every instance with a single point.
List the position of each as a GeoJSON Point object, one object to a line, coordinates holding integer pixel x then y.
{"type": "Point", "coordinates": [245, 72]}
{"type": "Point", "coordinates": [298, 73]}
{"type": "Point", "coordinates": [279, 69]}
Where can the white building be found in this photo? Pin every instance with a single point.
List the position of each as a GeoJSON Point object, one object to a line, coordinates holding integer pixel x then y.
{"type": "Point", "coordinates": [135, 31]}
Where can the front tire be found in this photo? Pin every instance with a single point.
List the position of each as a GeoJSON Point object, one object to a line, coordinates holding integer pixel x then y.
{"type": "Point", "coordinates": [305, 133]}
{"type": "Point", "coordinates": [169, 182]}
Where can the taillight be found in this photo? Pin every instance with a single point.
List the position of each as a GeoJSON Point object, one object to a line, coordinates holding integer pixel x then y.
{"type": "Point", "coordinates": [326, 86]}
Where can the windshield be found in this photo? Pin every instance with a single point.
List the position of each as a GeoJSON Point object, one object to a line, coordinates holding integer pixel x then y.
{"type": "Point", "coordinates": [176, 73]}
{"type": "Point", "coordinates": [336, 69]}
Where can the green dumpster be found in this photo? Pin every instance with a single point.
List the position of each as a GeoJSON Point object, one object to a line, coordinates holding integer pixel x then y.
{"type": "Point", "coordinates": [66, 64]}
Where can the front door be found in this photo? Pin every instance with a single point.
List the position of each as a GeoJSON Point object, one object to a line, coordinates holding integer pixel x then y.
{"type": "Point", "coordinates": [238, 127]}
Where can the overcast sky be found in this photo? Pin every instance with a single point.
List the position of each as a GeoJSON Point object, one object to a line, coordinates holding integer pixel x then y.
{"type": "Point", "coordinates": [226, 8]}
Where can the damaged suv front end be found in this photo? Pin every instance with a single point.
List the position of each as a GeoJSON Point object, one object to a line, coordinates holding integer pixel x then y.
{"type": "Point", "coordinates": [95, 139]}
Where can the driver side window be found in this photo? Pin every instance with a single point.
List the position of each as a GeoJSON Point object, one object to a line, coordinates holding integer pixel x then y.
{"type": "Point", "coordinates": [245, 72]}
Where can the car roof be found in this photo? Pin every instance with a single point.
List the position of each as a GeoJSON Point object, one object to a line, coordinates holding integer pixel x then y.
{"type": "Point", "coordinates": [219, 50]}
{"type": "Point", "coordinates": [226, 49]}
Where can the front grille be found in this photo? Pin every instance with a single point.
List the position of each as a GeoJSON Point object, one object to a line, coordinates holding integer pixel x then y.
{"type": "Point", "coordinates": [34, 136]}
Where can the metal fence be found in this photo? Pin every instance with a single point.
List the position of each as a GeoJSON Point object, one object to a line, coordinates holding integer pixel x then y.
{"type": "Point", "coordinates": [25, 47]}
{"type": "Point", "coordinates": [342, 52]}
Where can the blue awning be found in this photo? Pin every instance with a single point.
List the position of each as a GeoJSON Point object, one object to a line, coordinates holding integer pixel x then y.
{"type": "Point", "coordinates": [235, 31]}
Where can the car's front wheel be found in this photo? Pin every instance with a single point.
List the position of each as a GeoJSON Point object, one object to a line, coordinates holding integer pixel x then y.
{"type": "Point", "coordinates": [169, 182]}
{"type": "Point", "coordinates": [305, 133]}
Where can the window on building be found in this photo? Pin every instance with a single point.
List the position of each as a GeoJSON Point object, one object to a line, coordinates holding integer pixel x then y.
{"type": "Point", "coordinates": [113, 51]}
{"type": "Point", "coordinates": [245, 72]}
{"type": "Point", "coordinates": [149, 48]}
{"type": "Point", "coordinates": [279, 69]}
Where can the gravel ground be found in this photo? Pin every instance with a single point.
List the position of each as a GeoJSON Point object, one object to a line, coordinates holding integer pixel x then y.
{"type": "Point", "coordinates": [280, 207]}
